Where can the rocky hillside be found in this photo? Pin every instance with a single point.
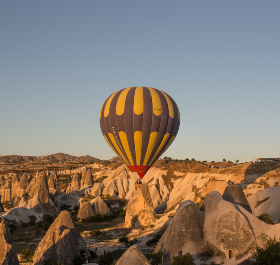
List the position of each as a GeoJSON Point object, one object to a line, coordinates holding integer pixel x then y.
{"type": "Point", "coordinates": [59, 157]}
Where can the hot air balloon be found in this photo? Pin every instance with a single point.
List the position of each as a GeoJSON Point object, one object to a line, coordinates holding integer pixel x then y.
{"type": "Point", "coordinates": [139, 124]}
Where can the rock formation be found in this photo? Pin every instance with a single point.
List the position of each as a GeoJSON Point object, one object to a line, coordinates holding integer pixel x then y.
{"type": "Point", "coordinates": [134, 256]}
{"type": "Point", "coordinates": [99, 206]}
{"type": "Point", "coordinates": [76, 182]}
{"type": "Point", "coordinates": [8, 255]}
{"type": "Point", "coordinates": [2, 181]}
{"type": "Point", "coordinates": [184, 233]}
{"type": "Point", "coordinates": [226, 227]}
{"type": "Point", "coordinates": [96, 190]}
{"type": "Point", "coordinates": [61, 242]}
{"type": "Point", "coordinates": [234, 194]}
{"type": "Point", "coordinates": [86, 210]}
{"type": "Point", "coordinates": [41, 186]}
{"type": "Point", "coordinates": [53, 182]}
{"type": "Point", "coordinates": [1, 206]}
{"type": "Point", "coordinates": [6, 192]}
{"type": "Point", "coordinates": [140, 211]}
{"type": "Point", "coordinates": [267, 201]}
{"type": "Point", "coordinates": [23, 182]}
{"type": "Point", "coordinates": [88, 180]}
{"type": "Point", "coordinates": [15, 185]}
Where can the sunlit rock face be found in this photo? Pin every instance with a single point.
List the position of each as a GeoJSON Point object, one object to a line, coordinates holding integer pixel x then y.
{"type": "Point", "coordinates": [8, 255]}
{"type": "Point", "coordinates": [61, 242]}
{"type": "Point", "coordinates": [134, 256]}
{"type": "Point", "coordinates": [184, 234]}
{"type": "Point", "coordinates": [140, 211]}
{"type": "Point", "coordinates": [234, 194]}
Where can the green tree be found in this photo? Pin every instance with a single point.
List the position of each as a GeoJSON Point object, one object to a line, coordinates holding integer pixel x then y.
{"type": "Point", "coordinates": [236, 161]}
{"type": "Point", "coordinates": [265, 217]}
{"type": "Point", "coordinates": [224, 160]}
{"type": "Point", "coordinates": [155, 258]}
{"type": "Point", "coordinates": [186, 259]}
{"type": "Point", "coordinates": [26, 255]}
{"type": "Point", "coordinates": [269, 255]}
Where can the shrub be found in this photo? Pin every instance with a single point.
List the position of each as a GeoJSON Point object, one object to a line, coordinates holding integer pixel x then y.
{"type": "Point", "coordinates": [123, 240]}
{"type": "Point", "coordinates": [32, 219]}
{"type": "Point", "coordinates": [12, 227]}
{"type": "Point", "coordinates": [26, 255]}
{"type": "Point", "coordinates": [122, 213]}
{"type": "Point", "coordinates": [155, 259]}
{"type": "Point", "coordinates": [265, 217]}
{"type": "Point", "coordinates": [79, 259]}
{"type": "Point", "coordinates": [186, 259]}
{"type": "Point", "coordinates": [92, 253]}
{"type": "Point", "coordinates": [48, 219]}
{"type": "Point", "coordinates": [95, 232]}
{"type": "Point", "coordinates": [106, 259]}
{"type": "Point", "coordinates": [269, 255]}
{"type": "Point", "coordinates": [156, 238]}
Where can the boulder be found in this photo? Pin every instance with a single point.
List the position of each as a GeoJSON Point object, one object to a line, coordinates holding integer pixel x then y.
{"type": "Point", "coordinates": [99, 206]}
{"type": "Point", "coordinates": [61, 242]}
{"type": "Point", "coordinates": [226, 227]}
{"type": "Point", "coordinates": [85, 210]}
{"type": "Point", "coordinates": [140, 211]}
{"type": "Point", "coordinates": [8, 255]}
{"type": "Point", "coordinates": [134, 256]}
{"type": "Point", "coordinates": [184, 233]}
{"type": "Point", "coordinates": [234, 194]}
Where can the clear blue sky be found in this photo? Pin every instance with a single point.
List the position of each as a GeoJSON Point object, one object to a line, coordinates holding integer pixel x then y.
{"type": "Point", "coordinates": [219, 60]}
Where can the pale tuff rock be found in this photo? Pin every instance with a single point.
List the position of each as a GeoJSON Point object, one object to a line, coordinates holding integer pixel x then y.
{"type": "Point", "coordinates": [234, 194]}
{"type": "Point", "coordinates": [88, 181]}
{"type": "Point", "coordinates": [99, 206]}
{"type": "Point", "coordinates": [266, 201]}
{"type": "Point", "coordinates": [85, 211]}
{"type": "Point", "coordinates": [15, 185]}
{"type": "Point", "coordinates": [38, 189]}
{"type": "Point", "coordinates": [18, 215]}
{"type": "Point", "coordinates": [71, 199]}
{"type": "Point", "coordinates": [184, 233]}
{"type": "Point", "coordinates": [6, 192]}
{"type": "Point", "coordinates": [140, 211]}
{"type": "Point", "coordinates": [225, 227]}
{"type": "Point", "coordinates": [14, 201]}
{"type": "Point", "coordinates": [22, 202]}
{"type": "Point", "coordinates": [23, 183]}
{"type": "Point", "coordinates": [133, 256]}
{"type": "Point", "coordinates": [96, 190]}
{"type": "Point", "coordinates": [76, 182]}
{"type": "Point", "coordinates": [53, 182]}
{"type": "Point", "coordinates": [61, 242]}
{"type": "Point", "coordinates": [8, 255]}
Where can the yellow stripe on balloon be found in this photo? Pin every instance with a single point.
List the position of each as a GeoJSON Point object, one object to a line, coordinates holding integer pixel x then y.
{"type": "Point", "coordinates": [156, 101]}
{"type": "Point", "coordinates": [170, 105]}
{"type": "Point", "coordinates": [151, 144]}
{"type": "Point", "coordinates": [162, 144]}
{"type": "Point", "coordinates": [126, 146]}
{"type": "Point", "coordinates": [112, 147]}
{"type": "Point", "coordinates": [121, 101]}
{"type": "Point", "coordinates": [117, 147]}
{"type": "Point", "coordinates": [107, 106]}
{"type": "Point", "coordinates": [138, 146]}
{"type": "Point", "coordinates": [138, 101]}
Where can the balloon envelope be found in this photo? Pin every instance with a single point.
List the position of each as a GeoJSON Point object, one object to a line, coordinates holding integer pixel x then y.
{"type": "Point", "coordinates": [139, 123]}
